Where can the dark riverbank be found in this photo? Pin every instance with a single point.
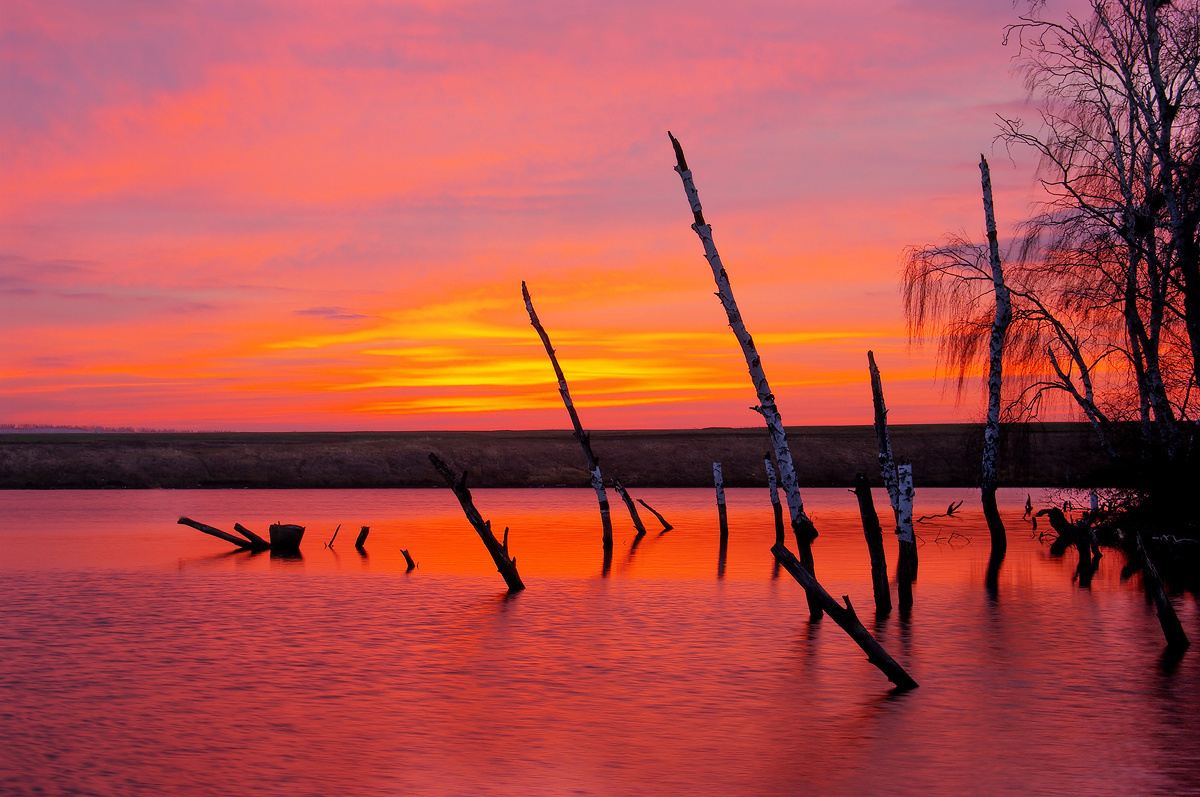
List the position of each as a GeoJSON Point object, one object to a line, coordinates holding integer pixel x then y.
{"type": "Point", "coordinates": [1043, 455]}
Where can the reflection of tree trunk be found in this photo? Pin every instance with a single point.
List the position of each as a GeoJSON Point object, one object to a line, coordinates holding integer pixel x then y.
{"type": "Point", "coordinates": [874, 535]}
{"type": "Point", "coordinates": [499, 551]}
{"type": "Point", "coordinates": [1172, 629]}
{"type": "Point", "coordinates": [846, 618]}
{"type": "Point", "coordinates": [991, 430]}
{"type": "Point", "coordinates": [906, 564]}
{"type": "Point", "coordinates": [633, 513]}
{"type": "Point", "coordinates": [999, 541]}
{"type": "Point", "coordinates": [801, 525]}
{"type": "Point", "coordinates": [584, 439]}
{"type": "Point", "coordinates": [776, 507]}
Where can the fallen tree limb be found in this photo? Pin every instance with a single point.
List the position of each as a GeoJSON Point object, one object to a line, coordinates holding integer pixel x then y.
{"type": "Point", "coordinates": [846, 618]}
{"type": "Point", "coordinates": [256, 541]}
{"type": "Point", "coordinates": [224, 535]}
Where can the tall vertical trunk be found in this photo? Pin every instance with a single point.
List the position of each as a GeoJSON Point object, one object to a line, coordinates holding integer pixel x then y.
{"type": "Point", "coordinates": [991, 430]}
{"type": "Point", "coordinates": [584, 439]}
{"type": "Point", "coordinates": [776, 507]}
{"type": "Point", "coordinates": [804, 530]}
{"type": "Point", "coordinates": [874, 536]}
{"type": "Point", "coordinates": [906, 564]}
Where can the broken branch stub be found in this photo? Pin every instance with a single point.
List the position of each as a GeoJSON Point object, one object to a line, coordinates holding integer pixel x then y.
{"type": "Point", "coordinates": [506, 566]}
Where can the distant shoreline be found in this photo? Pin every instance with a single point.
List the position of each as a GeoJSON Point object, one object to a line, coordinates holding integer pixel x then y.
{"type": "Point", "coordinates": [943, 455]}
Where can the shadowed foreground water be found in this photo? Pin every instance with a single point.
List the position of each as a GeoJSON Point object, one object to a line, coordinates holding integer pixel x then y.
{"type": "Point", "coordinates": [140, 657]}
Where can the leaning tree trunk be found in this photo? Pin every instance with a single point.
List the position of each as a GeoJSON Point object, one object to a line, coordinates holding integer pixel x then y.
{"type": "Point", "coordinates": [633, 513]}
{"type": "Point", "coordinates": [991, 430]}
{"type": "Point", "coordinates": [584, 439]}
{"type": "Point", "coordinates": [804, 530]}
{"type": "Point", "coordinates": [1172, 628]}
{"type": "Point", "coordinates": [506, 565]}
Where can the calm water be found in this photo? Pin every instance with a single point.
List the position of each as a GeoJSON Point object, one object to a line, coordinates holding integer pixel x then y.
{"type": "Point", "coordinates": [143, 658]}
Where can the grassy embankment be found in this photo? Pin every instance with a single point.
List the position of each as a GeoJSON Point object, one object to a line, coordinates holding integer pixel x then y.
{"type": "Point", "coordinates": [1042, 455]}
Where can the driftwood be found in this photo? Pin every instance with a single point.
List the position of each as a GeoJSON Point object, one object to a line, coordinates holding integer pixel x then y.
{"type": "Point", "coordinates": [1172, 628]}
{"type": "Point", "coordinates": [666, 526]}
{"type": "Point", "coordinates": [776, 507]}
{"type": "Point", "coordinates": [256, 541]}
{"type": "Point", "coordinates": [224, 535]}
{"type": "Point", "coordinates": [846, 618]}
{"type": "Point", "coordinates": [874, 535]}
{"type": "Point", "coordinates": [722, 516]}
{"type": "Point", "coordinates": [906, 565]}
{"type": "Point", "coordinates": [411, 564]}
{"type": "Point", "coordinates": [506, 565]}
{"type": "Point", "coordinates": [334, 537]}
{"type": "Point", "coordinates": [801, 525]}
{"type": "Point", "coordinates": [362, 537]}
{"type": "Point", "coordinates": [286, 537]}
{"type": "Point", "coordinates": [633, 513]}
{"type": "Point", "coordinates": [584, 439]}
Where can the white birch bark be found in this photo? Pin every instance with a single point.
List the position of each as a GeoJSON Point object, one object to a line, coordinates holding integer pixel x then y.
{"type": "Point", "coordinates": [719, 482]}
{"type": "Point", "coordinates": [904, 521]}
{"type": "Point", "coordinates": [991, 431]}
{"type": "Point", "coordinates": [772, 485]}
{"type": "Point", "coordinates": [887, 463]}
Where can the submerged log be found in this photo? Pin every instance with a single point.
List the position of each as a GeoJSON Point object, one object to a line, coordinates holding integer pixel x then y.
{"type": "Point", "coordinates": [801, 525]}
{"type": "Point", "coordinates": [286, 537]}
{"type": "Point", "coordinates": [906, 566]}
{"type": "Point", "coordinates": [584, 439]}
{"type": "Point", "coordinates": [666, 526]}
{"type": "Point", "coordinates": [633, 513]}
{"type": "Point", "coordinates": [506, 565]}
{"type": "Point", "coordinates": [362, 537]}
{"type": "Point", "coordinates": [1172, 628]}
{"type": "Point", "coordinates": [256, 541]}
{"type": "Point", "coordinates": [224, 535]}
{"type": "Point", "coordinates": [874, 535]}
{"type": "Point", "coordinates": [411, 564]}
{"type": "Point", "coordinates": [722, 517]}
{"type": "Point", "coordinates": [776, 507]}
{"type": "Point", "coordinates": [846, 617]}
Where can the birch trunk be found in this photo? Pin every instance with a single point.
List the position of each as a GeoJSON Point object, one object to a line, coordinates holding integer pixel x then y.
{"type": "Point", "coordinates": [887, 464]}
{"type": "Point", "coordinates": [633, 513]}
{"type": "Point", "coordinates": [846, 617]}
{"type": "Point", "coordinates": [584, 439]}
{"type": "Point", "coordinates": [719, 482]}
{"type": "Point", "coordinates": [991, 430]}
{"type": "Point", "coordinates": [873, 533]}
{"type": "Point", "coordinates": [906, 566]}
{"type": "Point", "coordinates": [504, 564]}
{"type": "Point", "coordinates": [804, 530]}
{"type": "Point", "coordinates": [776, 507]}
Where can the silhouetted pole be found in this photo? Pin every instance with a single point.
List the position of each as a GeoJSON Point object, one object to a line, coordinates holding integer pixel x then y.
{"type": "Point", "coordinates": [874, 535]}
{"type": "Point", "coordinates": [504, 564]}
{"type": "Point", "coordinates": [776, 507]}
{"type": "Point", "coordinates": [801, 525]}
{"type": "Point", "coordinates": [584, 439]}
{"type": "Point", "coordinates": [719, 483]}
{"type": "Point", "coordinates": [633, 513]}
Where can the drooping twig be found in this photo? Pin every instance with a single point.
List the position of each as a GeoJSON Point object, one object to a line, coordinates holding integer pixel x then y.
{"type": "Point", "coordinates": [804, 530]}
{"type": "Point", "coordinates": [950, 510]}
{"type": "Point", "coordinates": [584, 439]}
{"type": "Point", "coordinates": [506, 565]}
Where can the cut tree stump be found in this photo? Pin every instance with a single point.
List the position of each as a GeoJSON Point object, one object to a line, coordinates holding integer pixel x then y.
{"type": "Point", "coordinates": [286, 537]}
{"type": "Point", "coordinates": [506, 565]}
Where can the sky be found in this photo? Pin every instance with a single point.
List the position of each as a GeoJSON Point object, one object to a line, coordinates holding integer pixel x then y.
{"type": "Point", "coordinates": [317, 215]}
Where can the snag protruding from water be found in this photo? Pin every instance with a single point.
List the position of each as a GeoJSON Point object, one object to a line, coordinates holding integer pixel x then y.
{"type": "Point", "coordinates": [633, 513]}
{"type": "Point", "coordinates": [584, 439]}
{"type": "Point", "coordinates": [286, 537]}
{"type": "Point", "coordinates": [666, 526]}
{"type": "Point", "coordinates": [1172, 628]}
{"type": "Point", "coordinates": [906, 566]}
{"type": "Point", "coordinates": [334, 537]}
{"type": "Point", "coordinates": [258, 542]}
{"type": "Point", "coordinates": [722, 517]}
{"type": "Point", "coordinates": [224, 535]}
{"type": "Point", "coordinates": [874, 535]}
{"type": "Point", "coordinates": [411, 564]}
{"type": "Point", "coordinates": [846, 617]}
{"type": "Point", "coordinates": [906, 561]}
{"type": "Point", "coordinates": [362, 537]}
{"type": "Point", "coordinates": [506, 565]}
{"type": "Point", "coordinates": [804, 530]}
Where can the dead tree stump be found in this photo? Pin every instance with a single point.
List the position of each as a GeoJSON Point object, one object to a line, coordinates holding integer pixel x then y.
{"type": "Point", "coordinates": [362, 537]}
{"type": "Point", "coordinates": [722, 517]}
{"type": "Point", "coordinates": [286, 537]}
{"type": "Point", "coordinates": [633, 513]}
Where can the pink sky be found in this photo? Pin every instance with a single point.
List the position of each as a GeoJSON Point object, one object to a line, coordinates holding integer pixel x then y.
{"type": "Point", "coordinates": [294, 215]}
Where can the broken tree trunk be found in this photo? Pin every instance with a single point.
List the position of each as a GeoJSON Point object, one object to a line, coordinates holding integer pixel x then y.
{"type": "Point", "coordinates": [991, 429]}
{"type": "Point", "coordinates": [906, 566]}
{"type": "Point", "coordinates": [887, 464]}
{"type": "Point", "coordinates": [776, 507]}
{"type": "Point", "coordinates": [874, 534]}
{"type": "Point", "coordinates": [257, 542]}
{"type": "Point", "coordinates": [722, 517]}
{"type": "Point", "coordinates": [362, 537]}
{"type": "Point", "coordinates": [585, 440]}
{"type": "Point", "coordinates": [224, 535]}
{"type": "Point", "coordinates": [801, 525]}
{"type": "Point", "coordinates": [846, 618]}
{"type": "Point", "coordinates": [506, 565]}
{"type": "Point", "coordinates": [633, 513]}
{"type": "Point", "coordinates": [411, 564]}
{"type": "Point", "coordinates": [286, 537]}
{"type": "Point", "coordinates": [1172, 628]}
{"type": "Point", "coordinates": [666, 526]}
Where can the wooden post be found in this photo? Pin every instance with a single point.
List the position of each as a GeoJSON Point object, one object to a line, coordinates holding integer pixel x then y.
{"type": "Point", "coordinates": [215, 532]}
{"type": "Point", "coordinates": [906, 566]}
{"type": "Point", "coordinates": [846, 618]}
{"type": "Point", "coordinates": [633, 513]}
{"type": "Point", "coordinates": [666, 526]}
{"type": "Point", "coordinates": [411, 564]}
{"type": "Point", "coordinates": [874, 535]}
{"type": "Point", "coordinates": [257, 542]}
{"type": "Point", "coordinates": [504, 564]}
{"type": "Point", "coordinates": [1172, 628]}
{"type": "Point", "coordinates": [286, 537]}
{"type": "Point", "coordinates": [801, 525]}
{"type": "Point", "coordinates": [362, 537]}
{"type": "Point", "coordinates": [721, 515]}
{"type": "Point", "coordinates": [585, 440]}
{"type": "Point", "coordinates": [776, 507]}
